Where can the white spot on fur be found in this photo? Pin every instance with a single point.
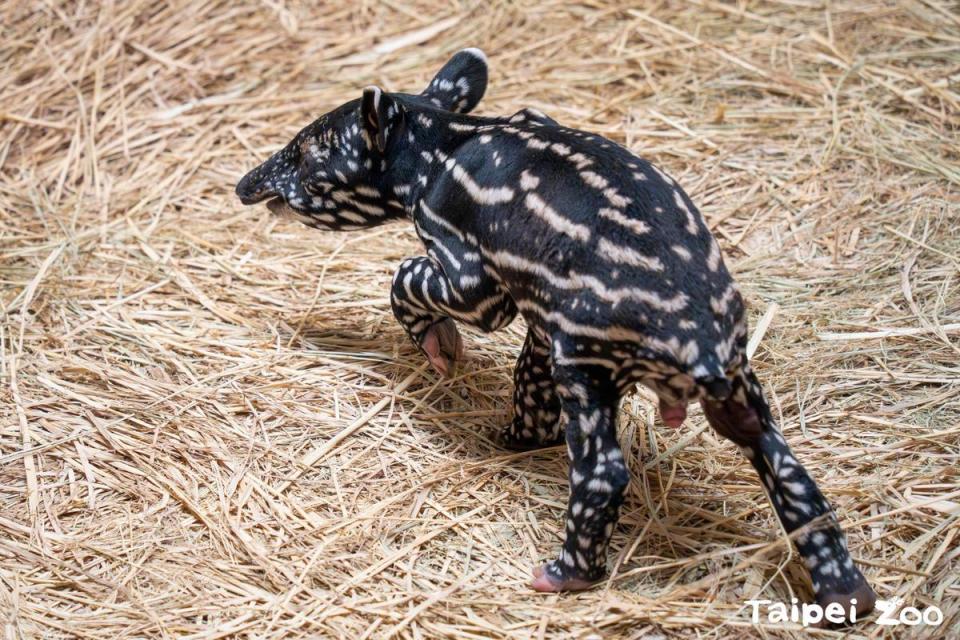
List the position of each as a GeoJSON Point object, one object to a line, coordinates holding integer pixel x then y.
{"type": "Point", "coordinates": [625, 255]}
{"type": "Point", "coordinates": [528, 181]}
{"type": "Point", "coordinates": [480, 195]}
{"type": "Point", "coordinates": [543, 210]}
{"type": "Point", "coordinates": [682, 251]}
{"type": "Point", "coordinates": [637, 226]}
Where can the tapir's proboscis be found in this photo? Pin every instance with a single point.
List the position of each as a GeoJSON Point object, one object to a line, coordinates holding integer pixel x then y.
{"type": "Point", "coordinates": [607, 259]}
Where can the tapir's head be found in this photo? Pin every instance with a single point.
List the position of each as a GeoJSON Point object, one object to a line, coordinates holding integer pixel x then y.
{"type": "Point", "coordinates": [336, 172]}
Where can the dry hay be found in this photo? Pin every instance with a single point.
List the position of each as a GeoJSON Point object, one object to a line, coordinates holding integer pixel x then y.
{"type": "Point", "coordinates": [175, 367]}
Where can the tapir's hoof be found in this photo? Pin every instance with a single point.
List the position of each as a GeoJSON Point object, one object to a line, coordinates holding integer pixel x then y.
{"type": "Point", "coordinates": [443, 347]}
{"type": "Point", "coordinates": [512, 444]}
{"type": "Point", "coordinates": [862, 601]}
{"type": "Point", "coordinates": [508, 441]}
{"type": "Point", "coordinates": [673, 415]}
{"type": "Point", "coordinates": [544, 582]}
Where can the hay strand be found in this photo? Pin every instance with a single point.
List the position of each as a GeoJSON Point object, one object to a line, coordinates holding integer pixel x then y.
{"type": "Point", "coordinates": [212, 426]}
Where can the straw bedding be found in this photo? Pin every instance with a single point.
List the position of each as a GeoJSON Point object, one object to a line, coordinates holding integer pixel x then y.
{"type": "Point", "coordinates": [212, 426]}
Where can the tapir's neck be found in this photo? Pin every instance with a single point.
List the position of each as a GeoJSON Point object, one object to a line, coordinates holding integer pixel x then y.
{"type": "Point", "coordinates": [430, 137]}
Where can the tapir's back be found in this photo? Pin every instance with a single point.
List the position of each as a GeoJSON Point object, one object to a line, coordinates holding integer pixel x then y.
{"type": "Point", "coordinates": [587, 236]}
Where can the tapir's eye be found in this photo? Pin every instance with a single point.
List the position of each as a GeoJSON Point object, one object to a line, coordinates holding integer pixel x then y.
{"type": "Point", "coordinates": [307, 162]}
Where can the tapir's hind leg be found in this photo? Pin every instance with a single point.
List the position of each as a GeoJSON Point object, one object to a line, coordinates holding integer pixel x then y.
{"type": "Point", "coordinates": [745, 418]}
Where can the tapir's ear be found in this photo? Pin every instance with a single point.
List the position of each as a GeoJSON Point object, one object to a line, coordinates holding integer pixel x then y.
{"type": "Point", "coordinates": [379, 114]}
{"type": "Point", "coordinates": [460, 84]}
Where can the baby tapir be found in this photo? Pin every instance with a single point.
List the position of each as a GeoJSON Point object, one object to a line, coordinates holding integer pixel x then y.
{"type": "Point", "coordinates": [611, 265]}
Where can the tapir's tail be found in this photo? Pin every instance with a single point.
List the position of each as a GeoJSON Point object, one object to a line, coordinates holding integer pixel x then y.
{"type": "Point", "coordinates": [717, 387]}
{"type": "Point", "coordinates": [712, 378]}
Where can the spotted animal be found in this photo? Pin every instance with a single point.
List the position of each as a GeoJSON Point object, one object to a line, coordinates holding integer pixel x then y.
{"type": "Point", "coordinates": [610, 264]}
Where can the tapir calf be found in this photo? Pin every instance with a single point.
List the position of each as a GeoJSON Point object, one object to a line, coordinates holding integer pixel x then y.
{"type": "Point", "coordinates": [611, 265]}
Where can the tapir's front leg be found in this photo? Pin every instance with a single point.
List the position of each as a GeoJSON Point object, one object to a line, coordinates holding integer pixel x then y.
{"type": "Point", "coordinates": [536, 407]}
{"type": "Point", "coordinates": [426, 301]}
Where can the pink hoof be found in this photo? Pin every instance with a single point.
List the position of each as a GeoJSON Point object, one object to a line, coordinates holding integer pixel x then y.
{"type": "Point", "coordinates": [545, 583]}
{"type": "Point", "coordinates": [672, 415]}
{"type": "Point", "coordinates": [443, 347]}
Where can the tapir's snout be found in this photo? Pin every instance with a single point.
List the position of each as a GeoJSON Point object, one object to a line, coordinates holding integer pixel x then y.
{"type": "Point", "coordinates": [272, 178]}
{"type": "Point", "coordinates": [251, 188]}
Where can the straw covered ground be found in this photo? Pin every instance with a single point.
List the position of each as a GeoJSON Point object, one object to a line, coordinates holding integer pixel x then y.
{"type": "Point", "coordinates": [212, 426]}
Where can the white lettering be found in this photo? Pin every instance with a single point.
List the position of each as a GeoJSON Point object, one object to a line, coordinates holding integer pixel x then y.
{"type": "Point", "coordinates": [888, 609]}
{"type": "Point", "coordinates": [755, 614]}
{"type": "Point", "coordinates": [834, 613]}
